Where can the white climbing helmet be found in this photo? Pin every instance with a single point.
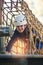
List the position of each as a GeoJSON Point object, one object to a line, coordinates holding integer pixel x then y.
{"type": "Point", "coordinates": [20, 19]}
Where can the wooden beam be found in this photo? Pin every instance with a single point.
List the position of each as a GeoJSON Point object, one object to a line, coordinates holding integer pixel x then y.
{"type": "Point", "coordinates": [1, 11]}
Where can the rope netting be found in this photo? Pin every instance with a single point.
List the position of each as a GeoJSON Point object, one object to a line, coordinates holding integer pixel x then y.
{"type": "Point", "coordinates": [10, 9]}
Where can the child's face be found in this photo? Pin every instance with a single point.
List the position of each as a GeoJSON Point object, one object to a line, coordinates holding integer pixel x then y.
{"type": "Point", "coordinates": [21, 28]}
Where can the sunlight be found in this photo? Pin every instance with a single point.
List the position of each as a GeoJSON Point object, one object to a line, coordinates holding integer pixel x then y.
{"type": "Point", "coordinates": [37, 8]}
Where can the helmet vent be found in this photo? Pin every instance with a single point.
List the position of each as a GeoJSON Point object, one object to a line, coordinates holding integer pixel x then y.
{"type": "Point", "coordinates": [15, 21]}
{"type": "Point", "coordinates": [20, 21]}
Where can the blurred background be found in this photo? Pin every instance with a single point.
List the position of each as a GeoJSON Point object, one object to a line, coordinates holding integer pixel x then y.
{"type": "Point", "coordinates": [37, 8]}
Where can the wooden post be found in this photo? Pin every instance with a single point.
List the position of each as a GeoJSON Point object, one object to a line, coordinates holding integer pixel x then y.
{"type": "Point", "coordinates": [1, 38]}
{"type": "Point", "coordinates": [1, 12]}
